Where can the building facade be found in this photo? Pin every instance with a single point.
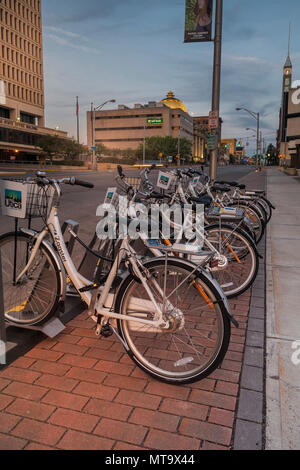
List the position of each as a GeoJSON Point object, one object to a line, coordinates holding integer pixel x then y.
{"type": "Point", "coordinates": [293, 129]}
{"type": "Point", "coordinates": [229, 146]}
{"type": "Point", "coordinates": [126, 128]}
{"type": "Point", "coordinates": [201, 129]}
{"type": "Point", "coordinates": [21, 80]}
{"type": "Point", "coordinates": [288, 135]}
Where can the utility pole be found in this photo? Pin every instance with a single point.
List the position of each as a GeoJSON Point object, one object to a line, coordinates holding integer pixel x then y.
{"type": "Point", "coordinates": [77, 114]}
{"type": "Point", "coordinates": [217, 82]}
{"type": "Point", "coordinates": [94, 161]}
{"type": "Point", "coordinates": [258, 142]}
{"type": "Point", "coordinates": [144, 146]}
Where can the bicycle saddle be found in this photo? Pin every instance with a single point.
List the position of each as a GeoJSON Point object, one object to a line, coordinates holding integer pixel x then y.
{"type": "Point", "coordinates": [221, 189]}
{"type": "Point", "coordinates": [205, 200]}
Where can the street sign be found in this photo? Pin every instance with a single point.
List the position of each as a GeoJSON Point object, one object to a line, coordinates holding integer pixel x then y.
{"type": "Point", "coordinates": [211, 141]}
{"type": "Point", "coordinates": [214, 120]}
{"type": "Point", "coordinates": [152, 122]}
{"type": "Point", "coordinates": [94, 149]}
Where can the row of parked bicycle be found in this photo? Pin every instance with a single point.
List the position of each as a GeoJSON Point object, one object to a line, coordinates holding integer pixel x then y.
{"type": "Point", "coordinates": [165, 299]}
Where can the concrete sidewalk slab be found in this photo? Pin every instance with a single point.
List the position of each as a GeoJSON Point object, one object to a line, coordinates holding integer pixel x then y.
{"type": "Point", "coordinates": [283, 317]}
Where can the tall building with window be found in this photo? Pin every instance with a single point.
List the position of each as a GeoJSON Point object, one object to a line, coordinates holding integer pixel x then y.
{"type": "Point", "coordinates": [125, 127]}
{"type": "Point", "coordinates": [21, 79]}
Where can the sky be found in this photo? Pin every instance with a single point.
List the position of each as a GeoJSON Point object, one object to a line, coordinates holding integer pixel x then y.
{"type": "Point", "coordinates": [133, 51]}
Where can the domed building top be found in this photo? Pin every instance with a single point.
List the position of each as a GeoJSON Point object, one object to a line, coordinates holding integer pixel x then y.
{"type": "Point", "coordinates": [173, 102]}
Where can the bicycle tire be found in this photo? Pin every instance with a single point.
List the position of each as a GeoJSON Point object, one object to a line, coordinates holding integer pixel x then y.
{"type": "Point", "coordinates": [135, 346]}
{"type": "Point", "coordinates": [17, 301]}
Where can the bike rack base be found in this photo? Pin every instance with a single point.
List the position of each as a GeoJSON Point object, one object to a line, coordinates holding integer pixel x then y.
{"type": "Point", "coordinates": [51, 328]}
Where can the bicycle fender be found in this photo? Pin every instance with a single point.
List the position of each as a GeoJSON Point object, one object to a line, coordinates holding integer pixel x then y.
{"type": "Point", "coordinates": [203, 272]}
{"type": "Point", "coordinates": [268, 202]}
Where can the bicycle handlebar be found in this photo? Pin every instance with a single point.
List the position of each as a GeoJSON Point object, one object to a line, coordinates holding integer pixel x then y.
{"type": "Point", "coordinates": [42, 180]}
{"type": "Point", "coordinates": [85, 184]}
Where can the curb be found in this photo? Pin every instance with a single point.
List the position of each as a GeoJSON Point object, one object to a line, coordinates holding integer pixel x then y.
{"type": "Point", "coordinates": [250, 415]}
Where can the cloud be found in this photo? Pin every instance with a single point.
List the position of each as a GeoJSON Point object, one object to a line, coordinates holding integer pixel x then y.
{"type": "Point", "coordinates": [80, 12]}
{"type": "Point", "coordinates": [68, 43]}
{"type": "Point", "coordinates": [64, 32]}
{"type": "Point", "coordinates": [247, 59]}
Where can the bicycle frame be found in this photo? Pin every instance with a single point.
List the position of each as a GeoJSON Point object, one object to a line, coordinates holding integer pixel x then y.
{"type": "Point", "coordinates": [104, 305]}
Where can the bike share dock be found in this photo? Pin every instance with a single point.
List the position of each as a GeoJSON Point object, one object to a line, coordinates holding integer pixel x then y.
{"type": "Point", "coordinates": [18, 339]}
{"type": "Point", "coordinates": [79, 392]}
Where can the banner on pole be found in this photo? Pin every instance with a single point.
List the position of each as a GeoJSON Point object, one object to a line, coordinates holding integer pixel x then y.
{"type": "Point", "coordinates": [198, 20]}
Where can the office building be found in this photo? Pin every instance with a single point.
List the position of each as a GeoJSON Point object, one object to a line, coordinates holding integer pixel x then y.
{"type": "Point", "coordinates": [126, 128]}
{"type": "Point", "coordinates": [21, 80]}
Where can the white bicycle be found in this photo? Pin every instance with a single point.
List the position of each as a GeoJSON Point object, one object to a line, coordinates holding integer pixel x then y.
{"type": "Point", "coordinates": [171, 316]}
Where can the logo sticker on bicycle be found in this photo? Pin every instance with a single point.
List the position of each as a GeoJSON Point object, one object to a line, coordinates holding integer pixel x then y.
{"type": "Point", "coordinates": [13, 199]}
{"type": "Point", "coordinates": [164, 180]}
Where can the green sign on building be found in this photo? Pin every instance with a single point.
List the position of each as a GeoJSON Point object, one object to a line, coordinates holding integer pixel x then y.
{"type": "Point", "coordinates": [152, 122]}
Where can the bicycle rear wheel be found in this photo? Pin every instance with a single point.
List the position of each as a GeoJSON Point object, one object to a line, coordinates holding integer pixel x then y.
{"type": "Point", "coordinates": [36, 296]}
{"type": "Point", "coordinates": [198, 335]}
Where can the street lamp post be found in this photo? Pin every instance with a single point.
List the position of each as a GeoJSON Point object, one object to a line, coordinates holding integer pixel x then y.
{"type": "Point", "coordinates": [256, 116]}
{"type": "Point", "coordinates": [93, 110]}
{"type": "Point", "coordinates": [217, 82]}
{"type": "Point", "coordinates": [144, 146]}
{"type": "Point", "coordinates": [178, 148]}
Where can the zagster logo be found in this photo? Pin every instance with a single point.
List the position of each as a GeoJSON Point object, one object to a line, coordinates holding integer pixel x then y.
{"type": "Point", "coordinates": [296, 354]}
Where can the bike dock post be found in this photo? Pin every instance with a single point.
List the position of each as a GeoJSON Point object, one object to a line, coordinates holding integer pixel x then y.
{"type": "Point", "coordinates": [2, 323]}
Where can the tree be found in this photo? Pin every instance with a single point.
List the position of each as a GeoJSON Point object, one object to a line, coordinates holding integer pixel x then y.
{"type": "Point", "coordinates": [168, 146]}
{"type": "Point", "coordinates": [51, 145]}
{"type": "Point", "coordinates": [54, 146]}
{"type": "Point", "coordinates": [72, 149]}
{"type": "Point", "coordinates": [101, 149]}
{"type": "Point", "coordinates": [272, 158]}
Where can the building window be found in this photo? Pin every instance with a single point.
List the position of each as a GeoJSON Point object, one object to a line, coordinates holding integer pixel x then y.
{"type": "Point", "coordinates": [28, 118]}
{"type": "Point", "coordinates": [4, 113]}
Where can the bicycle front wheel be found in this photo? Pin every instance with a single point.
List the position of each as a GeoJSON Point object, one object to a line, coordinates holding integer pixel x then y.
{"type": "Point", "coordinates": [198, 333]}
{"type": "Point", "coordinates": [36, 296]}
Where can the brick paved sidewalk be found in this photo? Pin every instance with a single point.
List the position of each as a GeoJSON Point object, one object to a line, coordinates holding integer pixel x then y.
{"type": "Point", "coordinates": [79, 392]}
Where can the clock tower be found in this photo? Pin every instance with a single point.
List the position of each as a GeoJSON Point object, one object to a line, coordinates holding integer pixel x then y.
{"type": "Point", "coordinates": [286, 87]}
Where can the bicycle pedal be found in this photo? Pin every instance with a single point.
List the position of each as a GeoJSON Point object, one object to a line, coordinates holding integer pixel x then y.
{"type": "Point", "coordinates": [106, 331]}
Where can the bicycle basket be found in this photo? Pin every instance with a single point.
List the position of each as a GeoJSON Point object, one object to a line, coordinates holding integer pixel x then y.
{"type": "Point", "coordinates": [21, 199]}
{"type": "Point", "coordinates": [39, 200]}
